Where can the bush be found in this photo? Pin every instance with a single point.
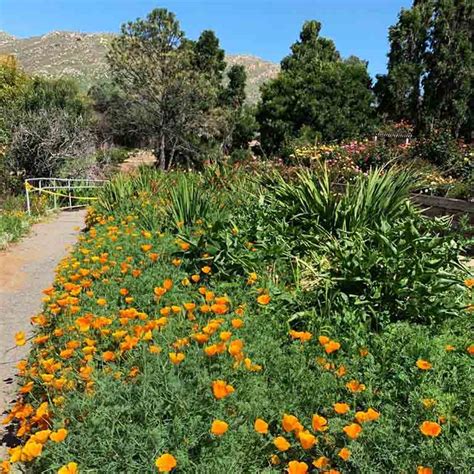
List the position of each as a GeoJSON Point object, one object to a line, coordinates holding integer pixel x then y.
{"type": "Point", "coordinates": [49, 143]}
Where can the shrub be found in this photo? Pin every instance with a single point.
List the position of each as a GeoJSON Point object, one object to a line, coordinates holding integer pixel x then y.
{"type": "Point", "coordinates": [49, 143]}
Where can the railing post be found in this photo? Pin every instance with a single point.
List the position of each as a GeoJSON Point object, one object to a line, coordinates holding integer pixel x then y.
{"type": "Point", "coordinates": [69, 192]}
{"type": "Point", "coordinates": [28, 207]}
{"type": "Point", "coordinates": [55, 198]}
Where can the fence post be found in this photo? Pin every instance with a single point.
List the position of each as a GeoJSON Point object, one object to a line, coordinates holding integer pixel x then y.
{"type": "Point", "coordinates": [28, 208]}
{"type": "Point", "coordinates": [69, 192]}
{"type": "Point", "coordinates": [55, 198]}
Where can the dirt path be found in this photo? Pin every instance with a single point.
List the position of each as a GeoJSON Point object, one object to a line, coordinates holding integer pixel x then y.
{"type": "Point", "coordinates": [26, 269]}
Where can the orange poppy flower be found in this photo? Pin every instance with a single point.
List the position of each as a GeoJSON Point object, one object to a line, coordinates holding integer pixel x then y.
{"type": "Point", "coordinates": [108, 356]}
{"type": "Point", "coordinates": [307, 439]}
{"type": "Point", "coordinates": [424, 470]}
{"type": "Point", "coordinates": [281, 443]}
{"type": "Point", "coordinates": [176, 357]}
{"type": "Point", "coordinates": [332, 346]}
{"type": "Point", "coordinates": [264, 299]}
{"type": "Point", "coordinates": [237, 323]}
{"type": "Point", "coordinates": [323, 340]}
{"type": "Point", "coordinates": [291, 423]}
{"type": "Point", "coordinates": [344, 454]}
{"type": "Point", "coordinates": [261, 426]}
{"type": "Point", "coordinates": [166, 463]}
{"type": "Point", "coordinates": [206, 269]}
{"type": "Point", "coordinates": [303, 336]}
{"type": "Point", "coordinates": [219, 427]}
{"type": "Point", "coordinates": [355, 386]}
{"type": "Point", "coordinates": [221, 389]}
{"type": "Point", "coordinates": [69, 468]}
{"type": "Point", "coordinates": [430, 428]}
{"type": "Point", "coordinates": [58, 436]}
{"type": "Point", "coordinates": [341, 408]}
{"type": "Point", "coordinates": [319, 423]}
{"type": "Point", "coordinates": [168, 284]}
{"type": "Point", "coordinates": [296, 467]}
{"type": "Point", "coordinates": [423, 364]}
{"type": "Point", "coordinates": [20, 338]}
{"type": "Point", "coordinates": [353, 430]}
{"type": "Point", "coordinates": [321, 462]}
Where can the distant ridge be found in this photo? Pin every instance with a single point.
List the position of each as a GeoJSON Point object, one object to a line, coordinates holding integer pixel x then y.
{"type": "Point", "coordinates": [82, 56]}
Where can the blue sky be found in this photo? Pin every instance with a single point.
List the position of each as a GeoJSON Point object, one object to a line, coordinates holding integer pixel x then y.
{"type": "Point", "coordinates": [265, 28]}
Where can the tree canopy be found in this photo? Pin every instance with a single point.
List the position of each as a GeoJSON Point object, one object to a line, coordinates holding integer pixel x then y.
{"type": "Point", "coordinates": [430, 64]}
{"type": "Point", "coordinates": [316, 94]}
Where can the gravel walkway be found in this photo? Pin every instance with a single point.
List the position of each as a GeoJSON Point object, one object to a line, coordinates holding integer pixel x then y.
{"type": "Point", "coordinates": [26, 269]}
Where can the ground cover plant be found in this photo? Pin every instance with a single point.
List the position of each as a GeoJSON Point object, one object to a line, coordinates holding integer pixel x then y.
{"type": "Point", "coordinates": [15, 222]}
{"type": "Point", "coordinates": [218, 324]}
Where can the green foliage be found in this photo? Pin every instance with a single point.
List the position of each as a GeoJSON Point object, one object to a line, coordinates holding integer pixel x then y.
{"type": "Point", "coordinates": [234, 94]}
{"type": "Point", "coordinates": [351, 280]}
{"type": "Point", "coordinates": [170, 87]}
{"type": "Point", "coordinates": [429, 79]}
{"type": "Point", "coordinates": [316, 94]}
{"type": "Point", "coordinates": [188, 202]}
{"type": "Point", "coordinates": [312, 203]}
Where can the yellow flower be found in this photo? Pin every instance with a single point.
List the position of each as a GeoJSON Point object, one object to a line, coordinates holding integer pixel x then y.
{"type": "Point", "coordinates": [176, 357]}
{"type": "Point", "coordinates": [69, 468]}
{"type": "Point", "coordinates": [166, 463]}
{"type": "Point", "coordinates": [59, 435]}
{"type": "Point", "coordinates": [20, 338]}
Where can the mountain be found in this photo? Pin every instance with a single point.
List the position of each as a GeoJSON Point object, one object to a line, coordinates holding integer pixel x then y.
{"type": "Point", "coordinates": [82, 56]}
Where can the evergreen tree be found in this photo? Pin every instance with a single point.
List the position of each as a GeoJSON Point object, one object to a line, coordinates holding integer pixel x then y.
{"type": "Point", "coordinates": [449, 62]}
{"type": "Point", "coordinates": [234, 94]}
{"type": "Point", "coordinates": [316, 94]}
{"type": "Point", "coordinates": [430, 67]}
{"type": "Point", "coordinates": [399, 92]}
{"type": "Point", "coordinates": [170, 100]}
{"type": "Point", "coordinates": [209, 56]}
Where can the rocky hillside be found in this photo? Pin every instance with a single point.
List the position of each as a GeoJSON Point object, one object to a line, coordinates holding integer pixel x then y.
{"type": "Point", "coordinates": [82, 56]}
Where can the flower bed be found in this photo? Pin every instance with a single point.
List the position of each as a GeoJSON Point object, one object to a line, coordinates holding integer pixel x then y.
{"type": "Point", "coordinates": [149, 358]}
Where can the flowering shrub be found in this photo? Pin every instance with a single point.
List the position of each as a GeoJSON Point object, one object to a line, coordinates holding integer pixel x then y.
{"type": "Point", "coordinates": [148, 358]}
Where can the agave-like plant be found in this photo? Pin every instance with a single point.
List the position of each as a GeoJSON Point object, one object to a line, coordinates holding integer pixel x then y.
{"type": "Point", "coordinates": [187, 201]}
{"type": "Point", "coordinates": [314, 201]}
